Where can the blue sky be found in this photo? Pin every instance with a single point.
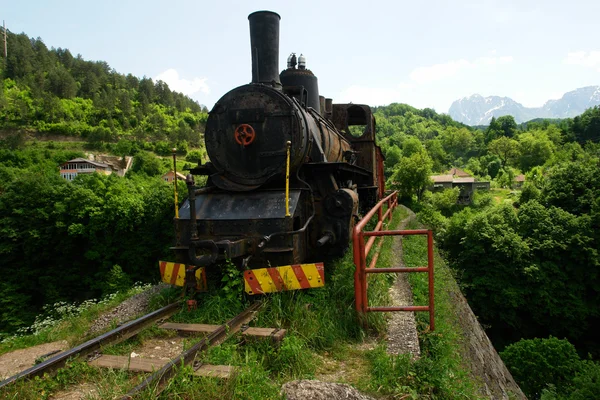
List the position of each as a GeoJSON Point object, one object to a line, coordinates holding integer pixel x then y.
{"type": "Point", "coordinates": [426, 54]}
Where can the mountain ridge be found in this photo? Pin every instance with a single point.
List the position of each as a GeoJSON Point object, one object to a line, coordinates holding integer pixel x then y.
{"type": "Point", "coordinates": [479, 110]}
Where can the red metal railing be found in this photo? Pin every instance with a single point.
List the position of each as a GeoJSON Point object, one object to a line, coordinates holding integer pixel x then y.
{"type": "Point", "coordinates": [362, 249]}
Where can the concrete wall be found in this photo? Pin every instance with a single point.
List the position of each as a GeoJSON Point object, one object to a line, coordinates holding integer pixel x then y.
{"type": "Point", "coordinates": [483, 361]}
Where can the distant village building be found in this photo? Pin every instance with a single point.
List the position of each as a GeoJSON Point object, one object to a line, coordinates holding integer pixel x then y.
{"type": "Point", "coordinates": [72, 168]}
{"type": "Point", "coordinates": [458, 173]}
{"type": "Point", "coordinates": [170, 176]}
{"type": "Point", "coordinates": [456, 177]}
{"type": "Point", "coordinates": [119, 165]}
{"type": "Point", "coordinates": [519, 181]}
{"type": "Point", "coordinates": [441, 182]}
{"type": "Point", "coordinates": [102, 164]}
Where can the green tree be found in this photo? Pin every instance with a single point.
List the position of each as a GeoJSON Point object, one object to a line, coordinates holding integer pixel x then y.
{"type": "Point", "coordinates": [535, 148]}
{"type": "Point", "coordinates": [505, 149]}
{"type": "Point", "coordinates": [586, 384]}
{"type": "Point", "coordinates": [148, 164]}
{"type": "Point", "coordinates": [195, 156]}
{"type": "Point", "coordinates": [573, 186]}
{"type": "Point", "coordinates": [437, 154]}
{"type": "Point", "coordinates": [534, 363]}
{"type": "Point", "coordinates": [586, 127]}
{"type": "Point", "coordinates": [124, 148]}
{"type": "Point", "coordinates": [457, 142]}
{"type": "Point", "coordinates": [445, 201]}
{"type": "Point", "coordinates": [392, 158]}
{"type": "Point", "coordinates": [493, 130]}
{"type": "Point", "coordinates": [491, 258]}
{"type": "Point", "coordinates": [506, 178]}
{"type": "Point", "coordinates": [412, 175]}
{"type": "Point", "coordinates": [61, 82]}
{"type": "Point", "coordinates": [411, 146]}
{"type": "Point", "coordinates": [508, 125]}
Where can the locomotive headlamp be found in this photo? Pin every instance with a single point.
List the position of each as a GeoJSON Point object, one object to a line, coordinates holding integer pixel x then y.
{"type": "Point", "coordinates": [244, 134]}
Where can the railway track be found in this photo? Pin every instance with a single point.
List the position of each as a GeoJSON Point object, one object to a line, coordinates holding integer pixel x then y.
{"type": "Point", "coordinates": [160, 374]}
{"type": "Point", "coordinates": [160, 377]}
{"type": "Point", "coordinates": [115, 336]}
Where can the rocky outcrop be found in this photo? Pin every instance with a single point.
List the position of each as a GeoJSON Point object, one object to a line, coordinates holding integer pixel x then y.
{"type": "Point", "coordinates": [317, 390]}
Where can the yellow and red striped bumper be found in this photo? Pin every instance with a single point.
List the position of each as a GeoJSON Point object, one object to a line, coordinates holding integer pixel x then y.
{"type": "Point", "coordinates": [288, 277]}
{"type": "Point", "coordinates": [174, 274]}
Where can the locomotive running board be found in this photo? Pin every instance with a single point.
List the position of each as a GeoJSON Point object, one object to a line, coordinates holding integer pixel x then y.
{"type": "Point", "coordinates": [287, 277]}
{"type": "Point", "coordinates": [174, 274]}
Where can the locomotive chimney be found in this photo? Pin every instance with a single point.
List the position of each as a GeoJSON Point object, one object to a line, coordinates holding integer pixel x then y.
{"type": "Point", "coordinates": [264, 43]}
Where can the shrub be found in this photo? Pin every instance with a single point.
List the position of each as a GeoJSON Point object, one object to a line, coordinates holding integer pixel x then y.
{"type": "Point", "coordinates": [445, 201]}
{"type": "Point", "coordinates": [536, 362]}
{"type": "Point", "coordinates": [162, 148]}
{"type": "Point", "coordinates": [529, 192]}
{"type": "Point", "coordinates": [117, 280]}
{"type": "Point", "coordinates": [194, 156]}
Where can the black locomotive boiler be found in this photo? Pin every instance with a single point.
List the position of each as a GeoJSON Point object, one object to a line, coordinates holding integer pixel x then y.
{"type": "Point", "coordinates": [286, 177]}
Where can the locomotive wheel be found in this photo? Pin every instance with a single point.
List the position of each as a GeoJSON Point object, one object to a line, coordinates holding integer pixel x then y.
{"type": "Point", "coordinates": [244, 134]}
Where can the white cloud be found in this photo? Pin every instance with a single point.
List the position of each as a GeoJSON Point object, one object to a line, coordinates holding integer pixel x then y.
{"type": "Point", "coordinates": [370, 95]}
{"type": "Point", "coordinates": [423, 87]}
{"type": "Point", "coordinates": [185, 86]}
{"type": "Point", "coordinates": [585, 59]}
{"type": "Point", "coordinates": [437, 72]}
{"type": "Point", "coordinates": [406, 85]}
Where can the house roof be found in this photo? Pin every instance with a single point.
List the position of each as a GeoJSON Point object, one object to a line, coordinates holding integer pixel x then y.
{"type": "Point", "coordinates": [459, 172]}
{"type": "Point", "coordinates": [83, 160]}
{"type": "Point", "coordinates": [464, 180]}
{"type": "Point", "coordinates": [520, 178]}
{"type": "Point", "coordinates": [441, 178]}
{"type": "Point", "coordinates": [179, 174]}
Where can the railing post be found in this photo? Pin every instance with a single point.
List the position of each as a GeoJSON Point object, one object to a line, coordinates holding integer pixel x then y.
{"type": "Point", "coordinates": [431, 280]}
{"type": "Point", "coordinates": [363, 272]}
{"type": "Point", "coordinates": [389, 206]}
{"type": "Point", "coordinates": [357, 272]}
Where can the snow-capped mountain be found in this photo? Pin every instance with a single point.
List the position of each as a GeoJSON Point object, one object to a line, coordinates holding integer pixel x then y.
{"type": "Point", "coordinates": [479, 110]}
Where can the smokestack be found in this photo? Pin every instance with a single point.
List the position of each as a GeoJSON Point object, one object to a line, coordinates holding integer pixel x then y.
{"type": "Point", "coordinates": [329, 108]}
{"type": "Point", "coordinates": [264, 43]}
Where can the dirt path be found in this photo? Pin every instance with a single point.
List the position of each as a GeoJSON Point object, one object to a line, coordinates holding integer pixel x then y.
{"type": "Point", "coordinates": [402, 329]}
{"type": "Point", "coordinates": [19, 360]}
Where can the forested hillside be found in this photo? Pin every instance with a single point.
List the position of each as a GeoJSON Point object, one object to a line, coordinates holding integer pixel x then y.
{"type": "Point", "coordinates": [528, 260]}
{"type": "Point", "coordinates": [51, 91]}
{"type": "Point", "coordinates": [70, 241]}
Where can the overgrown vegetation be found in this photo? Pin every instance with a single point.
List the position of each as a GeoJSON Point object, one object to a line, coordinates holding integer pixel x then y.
{"type": "Point", "coordinates": [71, 241]}
{"type": "Point", "coordinates": [323, 334]}
{"type": "Point", "coordinates": [526, 259]}
{"type": "Point", "coordinates": [441, 369]}
{"type": "Point", "coordinates": [551, 369]}
{"type": "Point", "coordinates": [417, 143]}
{"type": "Point", "coordinates": [51, 92]}
{"type": "Point", "coordinates": [67, 321]}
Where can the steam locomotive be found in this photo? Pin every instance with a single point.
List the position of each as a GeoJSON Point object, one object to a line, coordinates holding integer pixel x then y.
{"type": "Point", "coordinates": [287, 177]}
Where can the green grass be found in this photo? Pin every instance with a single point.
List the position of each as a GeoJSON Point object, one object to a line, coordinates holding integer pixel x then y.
{"type": "Point", "coordinates": [70, 322]}
{"type": "Point", "coordinates": [440, 372]}
{"type": "Point", "coordinates": [501, 195]}
{"type": "Point", "coordinates": [324, 341]}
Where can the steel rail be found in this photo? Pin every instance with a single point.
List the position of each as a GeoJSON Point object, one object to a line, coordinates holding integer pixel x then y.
{"type": "Point", "coordinates": [117, 335]}
{"type": "Point", "coordinates": [160, 377]}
